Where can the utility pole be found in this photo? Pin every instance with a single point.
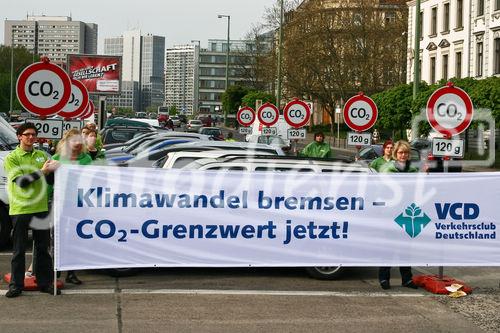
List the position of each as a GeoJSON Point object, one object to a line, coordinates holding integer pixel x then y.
{"type": "Point", "coordinates": [416, 57]}
{"type": "Point", "coordinates": [280, 50]}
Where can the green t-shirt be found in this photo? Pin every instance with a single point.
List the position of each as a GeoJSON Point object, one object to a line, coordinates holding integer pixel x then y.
{"type": "Point", "coordinates": [82, 159]}
{"type": "Point", "coordinates": [378, 163]}
{"type": "Point", "coordinates": [391, 167]}
{"type": "Point", "coordinates": [316, 149]}
{"type": "Point", "coordinates": [34, 197]}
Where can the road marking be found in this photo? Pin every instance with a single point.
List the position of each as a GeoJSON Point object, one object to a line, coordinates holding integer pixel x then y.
{"type": "Point", "coordinates": [215, 292]}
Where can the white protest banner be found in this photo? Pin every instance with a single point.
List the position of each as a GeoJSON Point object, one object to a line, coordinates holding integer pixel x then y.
{"type": "Point", "coordinates": [132, 217]}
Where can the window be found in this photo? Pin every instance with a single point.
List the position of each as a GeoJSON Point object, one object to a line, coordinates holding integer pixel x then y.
{"type": "Point", "coordinates": [479, 59]}
{"type": "Point", "coordinates": [390, 17]}
{"type": "Point", "coordinates": [421, 19]}
{"type": "Point", "coordinates": [433, 70]}
{"type": "Point", "coordinates": [497, 5]}
{"type": "Point", "coordinates": [480, 7]}
{"type": "Point", "coordinates": [458, 65]}
{"type": "Point", "coordinates": [446, 17]}
{"type": "Point", "coordinates": [445, 67]}
{"type": "Point", "coordinates": [460, 14]}
{"type": "Point", "coordinates": [497, 54]}
{"type": "Point", "coordinates": [434, 21]}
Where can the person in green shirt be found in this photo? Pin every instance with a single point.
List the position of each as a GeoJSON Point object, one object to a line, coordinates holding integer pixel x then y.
{"type": "Point", "coordinates": [401, 163]}
{"type": "Point", "coordinates": [379, 162]}
{"type": "Point", "coordinates": [29, 171]}
{"type": "Point", "coordinates": [72, 150]}
{"type": "Point", "coordinates": [318, 148]}
{"type": "Point", "coordinates": [90, 137]}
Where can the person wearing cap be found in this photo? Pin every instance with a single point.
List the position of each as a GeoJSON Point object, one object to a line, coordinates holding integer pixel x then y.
{"type": "Point", "coordinates": [318, 148]}
{"type": "Point", "coordinates": [379, 162]}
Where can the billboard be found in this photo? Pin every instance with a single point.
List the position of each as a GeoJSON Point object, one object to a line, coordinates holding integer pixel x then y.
{"type": "Point", "coordinates": [100, 74]}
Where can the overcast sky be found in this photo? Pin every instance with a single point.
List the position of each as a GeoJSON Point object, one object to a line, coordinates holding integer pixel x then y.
{"type": "Point", "coordinates": [179, 21]}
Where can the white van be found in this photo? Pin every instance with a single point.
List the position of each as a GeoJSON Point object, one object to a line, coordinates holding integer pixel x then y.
{"type": "Point", "coordinates": [8, 142]}
{"type": "Point", "coordinates": [281, 125]}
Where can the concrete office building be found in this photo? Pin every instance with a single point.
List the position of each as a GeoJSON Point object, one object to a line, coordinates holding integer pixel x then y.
{"type": "Point", "coordinates": [212, 70]}
{"type": "Point", "coordinates": [52, 36]}
{"type": "Point", "coordinates": [459, 38]}
{"type": "Point", "coordinates": [142, 63]}
{"type": "Point", "coordinates": [181, 78]}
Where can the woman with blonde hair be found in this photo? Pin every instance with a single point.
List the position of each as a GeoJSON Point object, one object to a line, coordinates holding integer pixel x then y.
{"type": "Point", "coordinates": [72, 150]}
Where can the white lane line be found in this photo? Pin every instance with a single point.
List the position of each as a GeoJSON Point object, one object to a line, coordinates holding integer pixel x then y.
{"type": "Point", "coordinates": [229, 292]}
{"type": "Point", "coordinates": [10, 254]}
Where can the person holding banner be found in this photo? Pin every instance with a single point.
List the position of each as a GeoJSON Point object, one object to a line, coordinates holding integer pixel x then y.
{"type": "Point", "coordinates": [318, 148]}
{"type": "Point", "coordinates": [90, 137]}
{"type": "Point", "coordinates": [72, 150]}
{"type": "Point", "coordinates": [401, 163]}
{"type": "Point", "coordinates": [379, 162]}
{"type": "Point", "coordinates": [29, 171]}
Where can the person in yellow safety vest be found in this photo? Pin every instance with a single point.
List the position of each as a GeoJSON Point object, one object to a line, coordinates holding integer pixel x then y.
{"type": "Point", "coordinates": [230, 138]}
{"type": "Point", "coordinates": [318, 148]}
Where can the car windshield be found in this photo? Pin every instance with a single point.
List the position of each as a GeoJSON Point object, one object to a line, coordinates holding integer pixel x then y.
{"type": "Point", "coordinates": [7, 134]}
{"type": "Point", "coordinates": [270, 140]}
{"type": "Point", "coordinates": [195, 122]}
{"type": "Point", "coordinates": [211, 132]}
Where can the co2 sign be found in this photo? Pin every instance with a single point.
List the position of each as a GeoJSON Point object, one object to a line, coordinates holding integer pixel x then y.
{"type": "Point", "coordinates": [297, 113]}
{"type": "Point", "coordinates": [360, 113]}
{"type": "Point", "coordinates": [450, 148]}
{"type": "Point", "coordinates": [450, 110]}
{"type": "Point", "coordinates": [268, 114]}
{"type": "Point", "coordinates": [89, 112]}
{"type": "Point", "coordinates": [359, 139]}
{"type": "Point", "coordinates": [245, 116]}
{"type": "Point", "coordinates": [43, 88]}
{"type": "Point", "coordinates": [78, 102]}
{"type": "Point", "coordinates": [48, 128]}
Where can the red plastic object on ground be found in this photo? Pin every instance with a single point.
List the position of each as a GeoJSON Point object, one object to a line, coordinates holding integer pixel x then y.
{"type": "Point", "coordinates": [30, 282]}
{"type": "Point", "coordinates": [435, 285]}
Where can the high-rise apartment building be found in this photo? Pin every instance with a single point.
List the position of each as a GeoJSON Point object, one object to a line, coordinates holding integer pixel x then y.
{"type": "Point", "coordinates": [52, 36]}
{"type": "Point", "coordinates": [142, 62]}
{"type": "Point", "coordinates": [181, 78]}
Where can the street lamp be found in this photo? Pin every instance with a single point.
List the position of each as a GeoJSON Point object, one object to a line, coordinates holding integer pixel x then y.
{"type": "Point", "coordinates": [227, 58]}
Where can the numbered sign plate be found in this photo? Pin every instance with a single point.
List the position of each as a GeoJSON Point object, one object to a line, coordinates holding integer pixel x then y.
{"type": "Point", "coordinates": [48, 128]}
{"type": "Point", "coordinates": [359, 139]}
{"type": "Point", "coordinates": [296, 134]}
{"type": "Point", "coordinates": [67, 125]}
{"type": "Point", "coordinates": [446, 147]}
{"type": "Point", "coordinates": [269, 131]}
{"type": "Point", "coordinates": [43, 88]}
{"type": "Point", "coordinates": [245, 130]}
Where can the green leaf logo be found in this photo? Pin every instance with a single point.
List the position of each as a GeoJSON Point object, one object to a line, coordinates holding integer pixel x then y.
{"type": "Point", "coordinates": [414, 221]}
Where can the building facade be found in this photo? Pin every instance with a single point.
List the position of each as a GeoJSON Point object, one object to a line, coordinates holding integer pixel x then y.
{"type": "Point", "coordinates": [142, 63]}
{"type": "Point", "coordinates": [212, 71]}
{"type": "Point", "coordinates": [181, 78]}
{"type": "Point", "coordinates": [52, 36]}
{"type": "Point", "coordinates": [459, 38]}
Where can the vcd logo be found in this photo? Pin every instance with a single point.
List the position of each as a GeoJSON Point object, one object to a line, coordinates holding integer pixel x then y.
{"type": "Point", "coordinates": [457, 211]}
{"type": "Point", "coordinates": [413, 220]}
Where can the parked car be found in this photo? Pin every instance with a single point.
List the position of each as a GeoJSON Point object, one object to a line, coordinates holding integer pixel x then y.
{"type": "Point", "coordinates": [283, 164]}
{"type": "Point", "coordinates": [194, 125]}
{"type": "Point", "coordinates": [214, 132]}
{"type": "Point", "coordinates": [8, 142]}
{"type": "Point", "coordinates": [272, 140]}
{"type": "Point", "coordinates": [180, 159]}
{"type": "Point", "coordinates": [176, 121]}
{"type": "Point", "coordinates": [119, 134]}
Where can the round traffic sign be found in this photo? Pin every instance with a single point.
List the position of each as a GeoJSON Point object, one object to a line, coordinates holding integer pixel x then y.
{"type": "Point", "coordinates": [43, 88]}
{"type": "Point", "coordinates": [78, 102]}
{"type": "Point", "coordinates": [245, 116]}
{"type": "Point", "coordinates": [360, 113]}
{"type": "Point", "coordinates": [297, 113]}
{"type": "Point", "coordinates": [268, 114]}
{"type": "Point", "coordinates": [89, 112]}
{"type": "Point", "coordinates": [450, 110]}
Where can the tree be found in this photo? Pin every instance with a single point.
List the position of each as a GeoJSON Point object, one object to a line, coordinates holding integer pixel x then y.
{"type": "Point", "coordinates": [22, 58]}
{"type": "Point", "coordinates": [172, 111]}
{"type": "Point", "coordinates": [251, 98]}
{"type": "Point", "coordinates": [231, 98]}
{"type": "Point", "coordinates": [122, 111]}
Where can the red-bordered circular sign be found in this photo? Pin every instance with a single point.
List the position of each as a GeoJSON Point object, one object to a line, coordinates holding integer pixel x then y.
{"type": "Point", "coordinates": [78, 102]}
{"type": "Point", "coordinates": [245, 116]}
{"type": "Point", "coordinates": [89, 112]}
{"type": "Point", "coordinates": [360, 113]}
{"type": "Point", "coordinates": [450, 110]}
{"type": "Point", "coordinates": [268, 114]}
{"type": "Point", "coordinates": [297, 113]}
{"type": "Point", "coordinates": [43, 88]}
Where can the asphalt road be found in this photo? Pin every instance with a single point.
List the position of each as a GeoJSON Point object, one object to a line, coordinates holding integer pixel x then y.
{"type": "Point", "coordinates": [252, 300]}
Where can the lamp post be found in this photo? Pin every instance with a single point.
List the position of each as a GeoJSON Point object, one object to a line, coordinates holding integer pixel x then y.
{"type": "Point", "coordinates": [280, 50]}
{"type": "Point", "coordinates": [416, 65]}
{"type": "Point", "coordinates": [11, 102]}
{"type": "Point", "coordinates": [227, 59]}
{"type": "Point", "coordinates": [196, 77]}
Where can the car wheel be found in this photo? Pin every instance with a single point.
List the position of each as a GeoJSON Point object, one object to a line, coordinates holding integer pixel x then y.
{"type": "Point", "coordinates": [5, 228]}
{"type": "Point", "coordinates": [324, 273]}
{"type": "Point", "coordinates": [122, 272]}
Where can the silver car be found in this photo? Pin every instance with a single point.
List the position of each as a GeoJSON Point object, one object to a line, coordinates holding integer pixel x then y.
{"type": "Point", "coordinates": [194, 125]}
